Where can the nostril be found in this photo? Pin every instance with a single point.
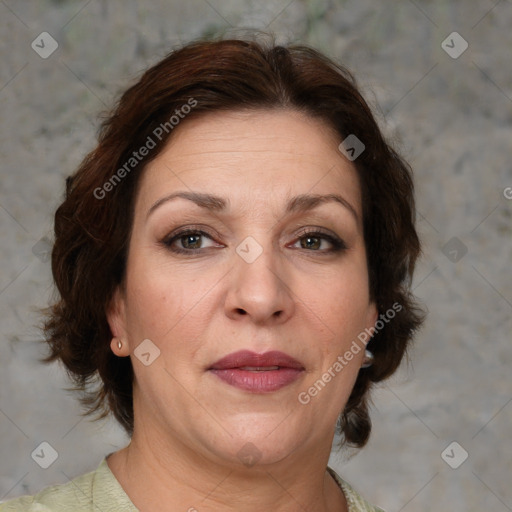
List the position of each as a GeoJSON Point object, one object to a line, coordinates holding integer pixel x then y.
{"type": "Point", "coordinates": [241, 311]}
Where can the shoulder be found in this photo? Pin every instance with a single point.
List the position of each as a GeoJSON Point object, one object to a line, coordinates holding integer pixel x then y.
{"type": "Point", "coordinates": [356, 503]}
{"type": "Point", "coordinates": [97, 490]}
{"type": "Point", "coordinates": [76, 493]}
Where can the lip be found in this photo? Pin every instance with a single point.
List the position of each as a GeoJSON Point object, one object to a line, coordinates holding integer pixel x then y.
{"type": "Point", "coordinates": [239, 370]}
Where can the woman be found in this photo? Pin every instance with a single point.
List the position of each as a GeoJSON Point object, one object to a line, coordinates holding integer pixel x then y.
{"type": "Point", "coordinates": [233, 262]}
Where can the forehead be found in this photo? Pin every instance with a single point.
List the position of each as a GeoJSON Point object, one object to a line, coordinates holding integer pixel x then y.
{"type": "Point", "coordinates": [287, 132]}
{"type": "Point", "coordinates": [263, 154]}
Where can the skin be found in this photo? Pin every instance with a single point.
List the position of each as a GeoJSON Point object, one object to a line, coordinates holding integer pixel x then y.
{"type": "Point", "coordinates": [298, 297]}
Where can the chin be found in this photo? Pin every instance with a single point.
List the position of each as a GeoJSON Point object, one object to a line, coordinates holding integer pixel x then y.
{"type": "Point", "coordinates": [258, 442]}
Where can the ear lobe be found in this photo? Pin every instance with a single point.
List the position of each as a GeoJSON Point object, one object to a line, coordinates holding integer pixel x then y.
{"type": "Point", "coordinates": [116, 316]}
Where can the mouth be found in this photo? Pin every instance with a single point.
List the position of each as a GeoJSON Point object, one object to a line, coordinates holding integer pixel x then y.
{"type": "Point", "coordinates": [257, 373]}
{"type": "Point", "coordinates": [259, 369]}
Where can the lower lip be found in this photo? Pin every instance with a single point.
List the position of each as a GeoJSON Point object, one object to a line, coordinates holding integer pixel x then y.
{"type": "Point", "coordinates": [258, 382]}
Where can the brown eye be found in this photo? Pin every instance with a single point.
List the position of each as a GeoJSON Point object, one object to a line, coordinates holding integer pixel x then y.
{"type": "Point", "coordinates": [311, 242]}
{"type": "Point", "coordinates": [191, 241]}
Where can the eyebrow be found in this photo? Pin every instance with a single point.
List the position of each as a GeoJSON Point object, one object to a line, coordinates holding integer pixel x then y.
{"type": "Point", "coordinates": [207, 201]}
{"type": "Point", "coordinates": [300, 203]}
{"type": "Point", "coordinates": [306, 202]}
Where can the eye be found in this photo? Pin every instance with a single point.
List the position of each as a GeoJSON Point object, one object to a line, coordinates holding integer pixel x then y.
{"type": "Point", "coordinates": [189, 241]}
{"type": "Point", "coordinates": [311, 242]}
{"type": "Point", "coordinates": [319, 242]}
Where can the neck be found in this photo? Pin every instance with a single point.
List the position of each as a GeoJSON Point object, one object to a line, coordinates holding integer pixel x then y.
{"type": "Point", "coordinates": [173, 477]}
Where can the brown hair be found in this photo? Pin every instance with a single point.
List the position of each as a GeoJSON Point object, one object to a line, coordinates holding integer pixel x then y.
{"type": "Point", "coordinates": [93, 224]}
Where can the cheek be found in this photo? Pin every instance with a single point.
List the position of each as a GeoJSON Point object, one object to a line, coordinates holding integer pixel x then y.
{"type": "Point", "coordinates": [153, 307]}
{"type": "Point", "coordinates": [169, 307]}
{"type": "Point", "coordinates": [340, 298]}
{"type": "Point", "coordinates": [338, 310]}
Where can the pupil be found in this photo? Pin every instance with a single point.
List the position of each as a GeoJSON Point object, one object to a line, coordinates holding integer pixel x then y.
{"type": "Point", "coordinates": [191, 241]}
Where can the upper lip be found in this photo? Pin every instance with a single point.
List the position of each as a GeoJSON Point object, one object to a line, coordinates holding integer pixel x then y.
{"type": "Point", "coordinates": [244, 358]}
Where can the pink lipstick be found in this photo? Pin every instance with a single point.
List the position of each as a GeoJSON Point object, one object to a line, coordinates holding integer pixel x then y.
{"type": "Point", "coordinates": [258, 373]}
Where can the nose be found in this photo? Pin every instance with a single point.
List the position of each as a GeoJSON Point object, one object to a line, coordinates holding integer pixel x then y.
{"type": "Point", "coordinates": [259, 292]}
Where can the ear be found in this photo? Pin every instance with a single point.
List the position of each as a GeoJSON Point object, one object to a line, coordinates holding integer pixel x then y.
{"type": "Point", "coordinates": [116, 318]}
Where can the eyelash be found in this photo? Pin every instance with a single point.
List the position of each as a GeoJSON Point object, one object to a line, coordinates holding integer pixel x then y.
{"type": "Point", "coordinates": [173, 237]}
{"type": "Point", "coordinates": [338, 245]}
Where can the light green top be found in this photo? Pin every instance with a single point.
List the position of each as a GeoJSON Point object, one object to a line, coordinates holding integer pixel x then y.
{"type": "Point", "coordinates": [99, 491]}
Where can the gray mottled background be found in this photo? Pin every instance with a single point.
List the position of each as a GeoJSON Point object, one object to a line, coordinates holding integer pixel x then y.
{"type": "Point", "coordinates": [451, 117]}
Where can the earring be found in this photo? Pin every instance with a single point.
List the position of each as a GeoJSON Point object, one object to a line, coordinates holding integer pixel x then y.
{"type": "Point", "coordinates": [119, 344]}
{"type": "Point", "coordinates": [368, 359]}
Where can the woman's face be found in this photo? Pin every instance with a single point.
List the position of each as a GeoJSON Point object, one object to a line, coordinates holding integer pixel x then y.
{"type": "Point", "coordinates": [247, 235]}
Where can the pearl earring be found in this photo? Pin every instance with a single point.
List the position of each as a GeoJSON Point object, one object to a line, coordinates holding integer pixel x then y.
{"type": "Point", "coordinates": [368, 359]}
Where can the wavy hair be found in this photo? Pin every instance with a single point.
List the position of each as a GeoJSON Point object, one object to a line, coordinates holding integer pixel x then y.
{"type": "Point", "coordinates": [92, 228]}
